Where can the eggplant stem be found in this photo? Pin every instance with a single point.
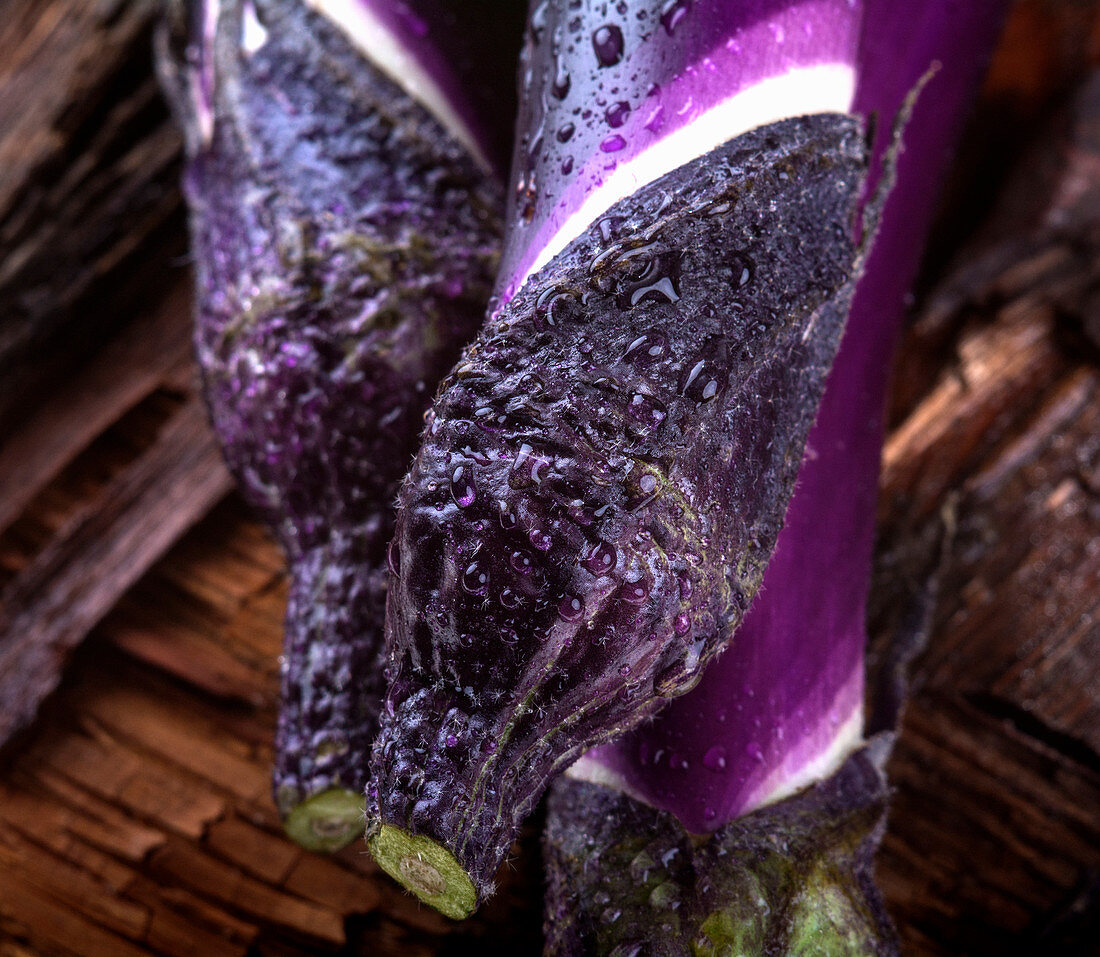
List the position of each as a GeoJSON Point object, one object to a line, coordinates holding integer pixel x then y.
{"type": "Point", "coordinates": [327, 821]}
{"type": "Point", "coordinates": [425, 868]}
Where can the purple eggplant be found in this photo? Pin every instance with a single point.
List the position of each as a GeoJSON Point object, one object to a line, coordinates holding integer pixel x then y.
{"type": "Point", "coordinates": [771, 756]}
{"type": "Point", "coordinates": [605, 471]}
{"type": "Point", "coordinates": [346, 227]}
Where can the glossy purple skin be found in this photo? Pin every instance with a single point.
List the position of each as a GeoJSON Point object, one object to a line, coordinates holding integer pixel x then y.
{"type": "Point", "coordinates": [792, 662]}
{"type": "Point", "coordinates": [344, 245]}
{"type": "Point", "coordinates": [469, 48]}
{"type": "Point", "coordinates": [600, 86]}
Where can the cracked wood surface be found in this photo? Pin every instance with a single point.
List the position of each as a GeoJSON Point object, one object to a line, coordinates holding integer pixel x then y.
{"type": "Point", "coordinates": [135, 815]}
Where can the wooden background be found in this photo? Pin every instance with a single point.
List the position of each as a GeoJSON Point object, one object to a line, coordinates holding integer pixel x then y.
{"type": "Point", "coordinates": [142, 605]}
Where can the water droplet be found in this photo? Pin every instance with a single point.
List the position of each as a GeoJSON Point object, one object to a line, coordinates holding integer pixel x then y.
{"type": "Point", "coordinates": [509, 598]}
{"type": "Point", "coordinates": [562, 81]}
{"type": "Point", "coordinates": [692, 658]}
{"type": "Point", "coordinates": [601, 560]}
{"type": "Point", "coordinates": [529, 468]}
{"type": "Point", "coordinates": [616, 114]}
{"type": "Point", "coordinates": [463, 489]}
{"type": "Point", "coordinates": [703, 381]}
{"type": "Point", "coordinates": [682, 624]}
{"type": "Point", "coordinates": [538, 21]}
{"type": "Point", "coordinates": [451, 741]}
{"type": "Point", "coordinates": [607, 41]}
{"type": "Point", "coordinates": [653, 278]}
{"type": "Point", "coordinates": [645, 415]}
{"type": "Point", "coordinates": [571, 608]}
{"type": "Point", "coordinates": [540, 539]}
{"type": "Point", "coordinates": [565, 132]}
{"type": "Point", "coordinates": [613, 144]}
{"type": "Point", "coordinates": [532, 384]}
{"type": "Point", "coordinates": [640, 867]}
{"type": "Point", "coordinates": [567, 166]}
{"type": "Point", "coordinates": [636, 592]}
{"type": "Point", "coordinates": [709, 814]}
{"type": "Point", "coordinates": [488, 419]}
{"type": "Point", "coordinates": [741, 270]}
{"type": "Point", "coordinates": [475, 579]}
{"type": "Point", "coordinates": [646, 349]}
{"type": "Point", "coordinates": [754, 751]}
{"type": "Point", "coordinates": [580, 513]}
{"type": "Point", "coordinates": [673, 13]}
{"type": "Point", "coordinates": [520, 562]}
{"type": "Point", "coordinates": [656, 118]}
{"type": "Point", "coordinates": [551, 306]}
{"type": "Point", "coordinates": [715, 758]}
{"type": "Point", "coordinates": [641, 489]}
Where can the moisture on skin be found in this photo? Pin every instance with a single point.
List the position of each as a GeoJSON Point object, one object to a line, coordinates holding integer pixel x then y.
{"type": "Point", "coordinates": [344, 248]}
{"type": "Point", "coordinates": [794, 878]}
{"type": "Point", "coordinates": [613, 94]}
{"type": "Point", "coordinates": [603, 478]}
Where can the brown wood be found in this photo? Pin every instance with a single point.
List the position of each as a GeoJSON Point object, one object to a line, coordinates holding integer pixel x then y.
{"type": "Point", "coordinates": [88, 167]}
{"type": "Point", "coordinates": [135, 815]}
{"type": "Point", "coordinates": [92, 560]}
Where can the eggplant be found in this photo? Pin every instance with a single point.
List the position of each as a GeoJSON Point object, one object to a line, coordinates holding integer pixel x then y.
{"type": "Point", "coordinates": [601, 483]}
{"type": "Point", "coordinates": [748, 813]}
{"type": "Point", "coordinates": [345, 237]}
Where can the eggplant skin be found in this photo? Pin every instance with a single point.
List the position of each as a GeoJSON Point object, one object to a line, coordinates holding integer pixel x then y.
{"type": "Point", "coordinates": [344, 248]}
{"type": "Point", "coordinates": [603, 478]}
{"type": "Point", "coordinates": [797, 877]}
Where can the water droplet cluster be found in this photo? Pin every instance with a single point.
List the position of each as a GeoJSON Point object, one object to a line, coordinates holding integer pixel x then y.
{"type": "Point", "coordinates": [589, 89]}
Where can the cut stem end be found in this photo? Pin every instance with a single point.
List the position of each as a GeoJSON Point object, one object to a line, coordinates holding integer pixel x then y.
{"type": "Point", "coordinates": [425, 868]}
{"type": "Point", "coordinates": [327, 821]}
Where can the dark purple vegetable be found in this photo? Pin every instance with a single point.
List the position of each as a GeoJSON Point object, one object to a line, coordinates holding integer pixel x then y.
{"type": "Point", "coordinates": [606, 469]}
{"type": "Point", "coordinates": [613, 98]}
{"type": "Point", "coordinates": [783, 707]}
{"type": "Point", "coordinates": [344, 242]}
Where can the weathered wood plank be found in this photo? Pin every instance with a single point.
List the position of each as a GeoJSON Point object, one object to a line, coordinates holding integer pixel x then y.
{"type": "Point", "coordinates": [49, 608]}
{"type": "Point", "coordinates": [88, 165]}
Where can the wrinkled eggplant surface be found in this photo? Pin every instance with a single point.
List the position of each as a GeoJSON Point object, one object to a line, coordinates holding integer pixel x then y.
{"type": "Point", "coordinates": [344, 247]}
{"type": "Point", "coordinates": [602, 480]}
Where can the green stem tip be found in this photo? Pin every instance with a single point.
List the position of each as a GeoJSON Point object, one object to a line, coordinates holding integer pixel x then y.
{"type": "Point", "coordinates": [327, 821]}
{"type": "Point", "coordinates": [425, 868]}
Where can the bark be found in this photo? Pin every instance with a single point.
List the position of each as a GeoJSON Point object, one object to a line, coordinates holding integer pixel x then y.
{"type": "Point", "coordinates": [89, 212]}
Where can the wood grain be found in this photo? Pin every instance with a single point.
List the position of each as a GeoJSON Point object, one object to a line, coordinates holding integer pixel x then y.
{"type": "Point", "coordinates": [89, 208]}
